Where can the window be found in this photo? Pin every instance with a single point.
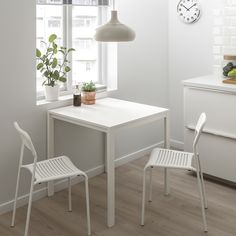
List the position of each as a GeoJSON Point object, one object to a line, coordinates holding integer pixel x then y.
{"type": "Point", "coordinates": [74, 24]}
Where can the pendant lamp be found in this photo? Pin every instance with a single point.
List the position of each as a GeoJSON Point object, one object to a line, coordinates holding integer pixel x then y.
{"type": "Point", "coordinates": [114, 30]}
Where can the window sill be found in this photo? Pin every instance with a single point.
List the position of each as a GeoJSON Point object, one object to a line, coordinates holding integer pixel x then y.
{"type": "Point", "coordinates": [66, 100]}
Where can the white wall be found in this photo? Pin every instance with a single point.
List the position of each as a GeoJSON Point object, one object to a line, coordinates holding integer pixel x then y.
{"type": "Point", "coordinates": [142, 78]}
{"type": "Point", "coordinates": [190, 55]}
{"type": "Point", "coordinates": [143, 66]}
{"type": "Point", "coordinates": [17, 96]}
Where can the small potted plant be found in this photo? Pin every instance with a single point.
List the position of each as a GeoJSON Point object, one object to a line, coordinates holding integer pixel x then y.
{"type": "Point", "coordinates": [89, 93]}
{"type": "Point", "coordinates": [53, 70]}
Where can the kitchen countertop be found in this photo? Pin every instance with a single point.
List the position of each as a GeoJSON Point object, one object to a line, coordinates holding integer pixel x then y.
{"type": "Point", "coordinates": [212, 82]}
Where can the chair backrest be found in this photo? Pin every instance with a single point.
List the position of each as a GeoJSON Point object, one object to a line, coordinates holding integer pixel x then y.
{"type": "Point", "coordinates": [26, 140]}
{"type": "Point", "coordinates": [198, 130]}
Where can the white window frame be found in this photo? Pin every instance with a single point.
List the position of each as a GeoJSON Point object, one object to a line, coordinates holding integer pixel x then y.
{"type": "Point", "coordinates": [68, 88]}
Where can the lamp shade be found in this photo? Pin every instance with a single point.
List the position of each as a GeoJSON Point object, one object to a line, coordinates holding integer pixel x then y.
{"type": "Point", "coordinates": [114, 31]}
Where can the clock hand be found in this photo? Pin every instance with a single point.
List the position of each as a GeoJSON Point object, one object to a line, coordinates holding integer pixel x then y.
{"type": "Point", "coordinates": [192, 6]}
{"type": "Point", "coordinates": [185, 7]}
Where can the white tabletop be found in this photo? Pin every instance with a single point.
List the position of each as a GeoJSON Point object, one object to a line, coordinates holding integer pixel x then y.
{"type": "Point", "coordinates": [109, 112]}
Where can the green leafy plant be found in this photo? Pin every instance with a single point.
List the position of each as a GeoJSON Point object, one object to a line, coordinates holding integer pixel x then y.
{"type": "Point", "coordinates": [48, 63]}
{"type": "Point", "coordinates": [89, 87]}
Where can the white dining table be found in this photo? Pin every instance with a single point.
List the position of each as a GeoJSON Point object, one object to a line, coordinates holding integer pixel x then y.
{"type": "Point", "coordinates": [107, 115]}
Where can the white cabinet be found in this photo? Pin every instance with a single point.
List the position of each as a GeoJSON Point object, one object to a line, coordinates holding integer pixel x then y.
{"type": "Point", "coordinates": [218, 142]}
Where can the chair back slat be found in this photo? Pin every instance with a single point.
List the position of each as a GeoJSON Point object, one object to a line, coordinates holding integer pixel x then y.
{"type": "Point", "coordinates": [26, 140]}
{"type": "Point", "coordinates": [198, 130]}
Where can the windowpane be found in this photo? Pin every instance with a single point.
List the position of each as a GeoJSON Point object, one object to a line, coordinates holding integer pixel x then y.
{"type": "Point", "coordinates": [75, 27]}
{"type": "Point", "coordinates": [85, 58]}
{"type": "Point", "coordinates": [49, 20]}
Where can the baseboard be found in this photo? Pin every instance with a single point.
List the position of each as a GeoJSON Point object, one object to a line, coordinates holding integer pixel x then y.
{"type": "Point", "coordinates": [177, 144]}
{"type": "Point", "coordinates": [38, 194]}
{"type": "Point", "coordinates": [22, 200]}
{"type": "Point", "coordinates": [135, 155]}
{"type": "Point", "coordinates": [60, 185]}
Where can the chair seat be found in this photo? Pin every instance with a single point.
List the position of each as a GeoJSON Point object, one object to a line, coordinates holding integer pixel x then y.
{"type": "Point", "coordinates": [170, 159]}
{"type": "Point", "coordinates": [53, 169]}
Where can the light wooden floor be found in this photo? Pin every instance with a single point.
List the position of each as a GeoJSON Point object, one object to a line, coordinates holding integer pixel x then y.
{"type": "Point", "coordinates": [175, 215]}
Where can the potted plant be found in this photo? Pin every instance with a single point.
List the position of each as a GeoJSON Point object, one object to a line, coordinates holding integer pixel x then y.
{"type": "Point", "coordinates": [89, 93]}
{"type": "Point", "coordinates": [53, 70]}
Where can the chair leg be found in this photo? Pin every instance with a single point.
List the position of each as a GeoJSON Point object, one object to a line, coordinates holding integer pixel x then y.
{"type": "Point", "coordinates": [15, 201]}
{"type": "Point", "coordinates": [87, 204]}
{"type": "Point", "coordinates": [166, 177]}
{"type": "Point", "coordinates": [150, 185]}
{"type": "Point", "coordinates": [69, 194]}
{"type": "Point", "coordinates": [203, 190]}
{"type": "Point", "coordinates": [143, 199]}
{"type": "Point", "coordinates": [29, 207]}
{"type": "Point", "coordinates": [202, 201]}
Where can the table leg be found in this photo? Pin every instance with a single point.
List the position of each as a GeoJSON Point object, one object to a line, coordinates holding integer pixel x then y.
{"type": "Point", "coordinates": [110, 146]}
{"type": "Point", "coordinates": [50, 148]}
{"type": "Point", "coordinates": [105, 160]}
{"type": "Point", "coordinates": [167, 131]}
{"type": "Point", "coordinates": [167, 145]}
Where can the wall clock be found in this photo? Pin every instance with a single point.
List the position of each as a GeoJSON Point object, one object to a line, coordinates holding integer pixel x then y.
{"type": "Point", "coordinates": [189, 11]}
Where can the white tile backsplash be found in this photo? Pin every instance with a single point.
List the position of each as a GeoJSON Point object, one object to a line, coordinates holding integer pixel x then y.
{"type": "Point", "coordinates": [224, 30]}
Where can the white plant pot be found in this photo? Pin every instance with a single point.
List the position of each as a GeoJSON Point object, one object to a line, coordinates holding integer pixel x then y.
{"type": "Point", "coordinates": [52, 93]}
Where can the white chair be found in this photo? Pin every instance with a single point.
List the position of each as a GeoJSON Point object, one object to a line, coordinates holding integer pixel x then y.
{"type": "Point", "coordinates": [44, 171]}
{"type": "Point", "coordinates": [180, 160]}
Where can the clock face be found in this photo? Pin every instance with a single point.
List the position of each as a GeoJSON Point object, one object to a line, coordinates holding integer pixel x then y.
{"type": "Point", "coordinates": [189, 11]}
